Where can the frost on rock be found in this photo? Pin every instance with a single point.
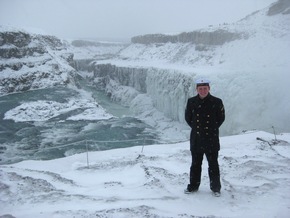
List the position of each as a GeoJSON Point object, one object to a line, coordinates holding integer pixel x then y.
{"type": "Point", "coordinates": [30, 61]}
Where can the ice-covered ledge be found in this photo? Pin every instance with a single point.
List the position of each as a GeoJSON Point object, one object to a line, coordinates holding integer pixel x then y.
{"type": "Point", "coordinates": [168, 89]}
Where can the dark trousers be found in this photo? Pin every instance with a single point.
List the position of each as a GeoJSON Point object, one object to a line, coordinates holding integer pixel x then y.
{"type": "Point", "coordinates": [213, 170]}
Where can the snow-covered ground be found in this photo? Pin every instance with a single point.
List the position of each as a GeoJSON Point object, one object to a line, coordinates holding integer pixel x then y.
{"type": "Point", "coordinates": [149, 182]}
{"type": "Point", "coordinates": [251, 75]}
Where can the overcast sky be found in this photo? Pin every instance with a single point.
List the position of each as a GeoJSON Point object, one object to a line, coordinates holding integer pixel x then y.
{"type": "Point", "coordinates": [122, 18]}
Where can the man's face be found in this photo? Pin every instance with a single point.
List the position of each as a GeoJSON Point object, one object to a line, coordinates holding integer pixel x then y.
{"type": "Point", "coordinates": [202, 91]}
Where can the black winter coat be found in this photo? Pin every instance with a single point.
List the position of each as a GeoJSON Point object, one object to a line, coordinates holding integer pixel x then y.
{"type": "Point", "coordinates": [204, 116]}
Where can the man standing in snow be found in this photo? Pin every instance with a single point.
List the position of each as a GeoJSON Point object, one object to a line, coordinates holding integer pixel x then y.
{"type": "Point", "coordinates": [204, 113]}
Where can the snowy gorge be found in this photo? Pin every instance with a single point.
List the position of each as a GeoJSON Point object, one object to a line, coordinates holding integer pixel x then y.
{"type": "Point", "coordinates": [244, 70]}
{"type": "Point", "coordinates": [45, 95]}
{"type": "Point", "coordinates": [248, 72]}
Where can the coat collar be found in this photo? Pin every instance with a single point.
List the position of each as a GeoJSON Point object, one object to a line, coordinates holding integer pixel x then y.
{"type": "Point", "coordinates": [204, 99]}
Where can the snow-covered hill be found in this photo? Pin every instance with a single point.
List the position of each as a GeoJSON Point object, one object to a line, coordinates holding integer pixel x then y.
{"type": "Point", "coordinates": [250, 71]}
{"type": "Point", "coordinates": [149, 182]}
{"type": "Point", "coordinates": [260, 40]}
{"type": "Point", "coordinates": [33, 61]}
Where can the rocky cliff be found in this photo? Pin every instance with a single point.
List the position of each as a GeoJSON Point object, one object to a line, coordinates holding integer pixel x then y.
{"type": "Point", "coordinates": [216, 37]}
{"type": "Point", "coordinates": [30, 61]}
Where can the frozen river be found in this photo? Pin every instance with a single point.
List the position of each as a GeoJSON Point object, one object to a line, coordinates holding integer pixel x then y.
{"type": "Point", "coordinates": [59, 136]}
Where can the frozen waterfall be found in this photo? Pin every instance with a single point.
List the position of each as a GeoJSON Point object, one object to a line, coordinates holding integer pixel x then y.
{"type": "Point", "coordinates": [155, 92]}
{"type": "Point", "coordinates": [168, 89]}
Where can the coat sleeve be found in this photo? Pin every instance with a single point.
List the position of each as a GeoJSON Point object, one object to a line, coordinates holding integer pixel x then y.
{"type": "Point", "coordinates": [220, 114]}
{"type": "Point", "coordinates": [188, 114]}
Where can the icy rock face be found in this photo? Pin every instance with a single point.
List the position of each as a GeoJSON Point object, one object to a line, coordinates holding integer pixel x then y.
{"type": "Point", "coordinates": [280, 7]}
{"type": "Point", "coordinates": [30, 61]}
{"type": "Point", "coordinates": [18, 39]}
{"type": "Point", "coordinates": [217, 37]}
{"type": "Point", "coordinates": [167, 89]}
{"type": "Point", "coordinates": [126, 76]}
{"type": "Point", "coordinates": [17, 45]}
{"type": "Point", "coordinates": [84, 65]}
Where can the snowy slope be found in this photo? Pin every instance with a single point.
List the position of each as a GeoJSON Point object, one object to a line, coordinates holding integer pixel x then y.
{"type": "Point", "coordinates": [32, 61]}
{"type": "Point", "coordinates": [250, 74]}
{"type": "Point", "coordinates": [131, 183]}
{"type": "Point", "coordinates": [264, 42]}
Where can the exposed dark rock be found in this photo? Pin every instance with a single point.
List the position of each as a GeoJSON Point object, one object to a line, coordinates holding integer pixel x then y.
{"type": "Point", "coordinates": [19, 44]}
{"type": "Point", "coordinates": [91, 43]}
{"type": "Point", "coordinates": [280, 7]}
{"type": "Point", "coordinates": [29, 61]}
{"type": "Point", "coordinates": [20, 52]}
{"type": "Point", "coordinates": [18, 39]}
{"type": "Point", "coordinates": [218, 37]}
{"type": "Point", "coordinates": [84, 43]}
